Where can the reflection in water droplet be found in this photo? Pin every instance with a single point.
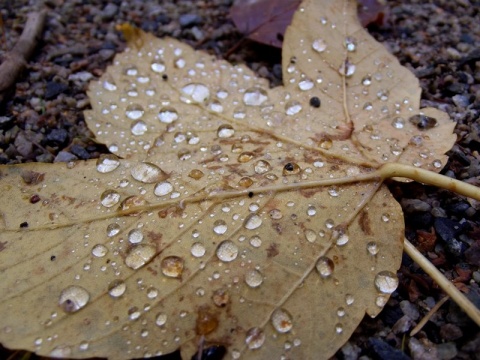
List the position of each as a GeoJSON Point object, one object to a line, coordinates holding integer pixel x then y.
{"type": "Point", "coordinates": [372, 248]}
{"type": "Point", "coordinates": [254, 96]}
{"type": "Point", "coordinates": [253, 278]}
{"type": "Point", "coordinates": [291, 168]}
{"type": "Point", "coordinates": [338, 328]}
{"type": "Point", "coordinates": [219, 227]}
{"type": "Point", "coordinates": [107, 163]}
{"type": "Point", "coordinates": [367, 80]}
{"type": "Point", "coordinates": [161, 319]}
{"type": "Point", "coordinates": [109, 85]}
{"type": "Point", "coordinates": [148, 173]}
{"type": "Point", "coordinates": [172, 266]}
{"type": "Point", "coordinates": [245, 182]}
{"type": "Point", "coordinates": [386, 282]}
{"type": "Point", "coordinates": [196, 92]}
{"type": "Point", "coordinates": [325, 266]}
{"type": "Point", "coordinates": [350, 44]}
{"type": "Point", "coordinates": [342, 239]}
{"type": "Point", "coordinates": [398, 123]}
{"type": "Point", "coordinates": [167, 115]}
{"type": "Point", "coordinates": [99, 250]}
{"type": "Point", "coordinates": [117, 288]}
{"type": "Point", "coordinates": [255, 338]}
{"type": "Point", "coordinates": [61, 351]}
{"type": "Point", "coordinates": [383, 95]}
{"type": "Point", "coordinates": [134, 111]}
{"type": "Point", "coordinates": [109, 198]}
{"type": "Point", "coordinates": [252, 221]}
{"type": "Point", "coordinates": [73, 298]}
{"type": "Point", "coordinates": [134, 313]}
{"type": "Point", "coordinates": [275, 214]}
{"type": "Point", "coordinates": [225, 131]}
{"type": "Point", "coordinates": [333, 191]}
{"type": "Point", "coordinates": [198, 249]}
{"type": "Point", "coordinates": [227, 251]}
{"type": "Point", "coordinates": [329, 223]}
{"type": "Point", "coordinates": [347, 68]}
{"type": "Point", "coordinates": [282, 321]}
{"type": "Point", "coordinates": [340, 312]}
{"type": "Point", "coordinates": [139, 255]}
{"type": "Point", "coordinates": [319, 45]}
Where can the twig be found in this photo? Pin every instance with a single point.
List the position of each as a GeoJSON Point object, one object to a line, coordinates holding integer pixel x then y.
{"type": "Point", "coordinates": [16, 59]}
{"type": "Point", "coordinates": [427, 317]}
{"type": "Point", "coordinates": [450, 289]}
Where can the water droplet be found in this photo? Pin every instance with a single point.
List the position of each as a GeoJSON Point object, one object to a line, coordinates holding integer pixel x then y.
{"type": "Point", "coordinates": [311, 210]}
{"type": "Point", "coordinates": [333, 191]}
{"type": "Point", "coordinates": [109, 85]}
{"type": "Point", "coordinates": [342, 239]}
{"type": "Point", "coordinates": [219, 227]}
{"type": "Point", "coordinates": [253, 278]}
{"type": "Point", "coordinates": [138, 128]}
{"type": "Point", "coordinates": [134, 313]}
{"type": "Point", "coordinates": [227, 251]}
{"type": "Point", "coordinates": [61, 351]}
{"type": "Point", "coordinates": [245, 157]}
{"type": "Point", "coordinates": [73, 298]}
{"type": "Point", "coordinates": [291, 168]}
{"type": "Point", "coordinates": [99, 250]}
{"type": "Point", "coordinates": [107, 163]}
{"type": "Point", "coordinates": [340, 312]}
{"type": "Point", "coordinates": [117, 288]}
{"type": "Point", "coordinates": [147, 173]}
{"type": "Point", "coordinates": [350, 44]}
{"type": "Point", "coordinates": [423, 122]}
{"type": "Point", "coordinates": [172, 266]}
{"type": "Point", "coordinates": [113, 229]}
{"type": "Point", "coordinates": [196, 92]}
{"type": "Point", "coordinates": [305, 84]}
{"type": "Point", "coordinates": [161, 319]}
{"type": "Point", "coordinates": [385, 218]}
{"type": "Point", "coordinates": [349, 299]}
{"type": "Point", "coordinates": [152, 292]}
{"type": "Point", "coordinates": [367, 80]}
{"type": "Point", "coordinates": [319, 45]}
{"type": "Point", "coordinates": [252, 221]}
{"type": "Point", "coordinates": [383, 95]}
{"type": "Point", "coordinates": [134, 111]}
{"type": "Point", "coordinates": [139, 255]}
{"type": "Point", "coordinates": [245, 182]}
{"type": "Point", "coordinates": [437, 164]}
{"type": "Point", "coordinates": [109, 198]}
{"type": "Point", "coordinates": [131, 71]}
{"type": "Point", "coordinates": [158, 66]}
{"type": "Point", "coordinates": [167, 115]}
{"type": "Point", "coordinates": [198, 249]}
{"type": "Point", "coordinates": [338, 328]}
{"type": "Point", "coordinates": [310, 235]}
{"type": "Point", "coordinates": [262, 166]}
{"type": "Point", "coordinates": [368, 106]}
{"type": "Point", "coordinates": [256, 241]}
{"type": "Point", "coordinates": [225, 131]}
{"type": "Point", "coordinates": [163, 188]}
{"type": "Point", "coordinates": [255, 96]}
{"type": "Point", "coordinates": [398, 123]}
{"type": "Point", "coordinates": [293, 107]}
{"type": "Point", "coordinates": [325, 266]}
{"type": "Point", "coordinates": [386, 282]}
{"type": "Point", "coordinates": [275, 214]}
{"type": "Point", "coordinates": [329, 223]}
{"type": "Point", "coordinates": [282, 321]}
{"type": "Point", "coordinates": [372, 248]}
{"type": "Point", "coordinates": [221, 298]}
{"type": "Point", "coordinates": [255, 338]}
{"type": "Point", "coordinates": [347, 68]}
{"type": "Point", "coordinates": [135, 236]}
{"type": "Point", "coordinates": [381, 300]}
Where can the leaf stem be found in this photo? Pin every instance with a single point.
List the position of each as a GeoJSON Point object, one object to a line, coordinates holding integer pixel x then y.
{"type": "Point", "coordinates": [450, 289]}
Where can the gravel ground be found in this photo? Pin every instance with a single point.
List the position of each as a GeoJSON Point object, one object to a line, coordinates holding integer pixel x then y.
{"type": "Point", "coordinates": [438, 40]}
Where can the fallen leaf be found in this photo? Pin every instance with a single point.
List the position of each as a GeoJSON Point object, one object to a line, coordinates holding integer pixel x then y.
{"type": "Point", "coordinates": [234, 215]}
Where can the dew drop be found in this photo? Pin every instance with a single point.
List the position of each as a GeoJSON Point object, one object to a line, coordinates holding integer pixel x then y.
{"type": "Point", "coordinates": [135, 236]}
{"type": "Point", "coordinates": [282, 321]}
{"type": "Point", "coordinates": [225, 131]}
{"type": "Point", "coordinates": [109, 198]}
{"type": "Point", "coordinates": [293, 107]}
{"type": "Point", "coordinates": [152, 292]}
{"type": "Point", "coordinates": [113, 229]}
{"type": "Point", "coordinates": [291, 169]}
{"type": "Point", "coordinates": [138, 128]}
{"type": "Point", "coordinates": [245, 157]}
{"type": "Point", "coordinates": [73, 298]}
{"type": "Point", "coordinates": [198, 249]}
{"type": "Point", "coordinates": [161, 319]}
{"type": "Point", "coordinates": [350, 44]}
{"type": "Point", "coordinates": [367, 80]}
{"type": "Point", "coordinates": [325, 266]}
{"type": "Point", "coordinates": [131, 71]}
{"type": "Point", "coordinates": [372, 248]}
{"type": "Point", "coordinates": [219, 227]}
{"type": "Point", "coordinates": [276, 214]}
{"type": "Point", "coordinates": [423, 122]}
{"type": "Point", "coordinates": [349, 299]}
{"type": "Point", "coordinates": [227, 251]}
{"type": "Point", "coordinates": [383, 95]}
{"type": "Point", "coordinates": [398, 123]}
{"type": "Point", "coordinates": [311, 210]}
{"type": "Point", "coordinates": [347, 69]}
{"type": "Point", "coordinates": [255, 338]}
{"type": "Point", "coordinates": [437, 164]}
{"type": "Point", "coordinates": [338, 328]}
{"type": "Point", "coordinates": [139, 255]}
{"type": "Point", "coordinates": [333, 191]}
{"type": "Point", "coordinates": [172, 266]}
{"type": "Point", "coordinates": [134, 111]}
{"type": "Point", "coordinates": [253, 278]}
{"type": "Point", "coordinates": [381, 301]}
{"type": "Point", "coordinates": [99, 250]}
{"type": "Point", "coordinates": [167, 115]}
{"type": "Point", "coordinates": [107, 163]}
{"type": "Point", "coordinates": [319, 45]}
{"type": "Point", "coordinates": [245, 182]}
{"type": "Point", "coordinates": [158, 66]}
{"type": "Point", "coordinates": [342, 239]}
{"type": "Point", "coordinates": [109, 85]}
{"type": "Point", "coordinates": [252, 221]}
{"type": "Point", "coordinates": [254, 96]}
{"type": "Point", "coordinates": [310, 235]}
{"type": "Point", "coordinates": [329, 223]}
{"type": "Point", "coordinates": [61, 351]}
{"type": "Point", "coordinates": [262, 167]}
{"type": "Point", "coordinates": [198, 93]}
{"type": "Point", "coordinates": [117, 288]}
{"type": "Point", "coordinates": [163, 188]}
{"type": "Point", "coordinates": [386, 282]}
{"type": "Point", "coordinates": [147, 173]}
{"type": "Point", "coordinates": [134, 313]}
{"type": "Point", "coordinates": [256, 241]}
{"type": "Point", "coordinates": [305, 84]}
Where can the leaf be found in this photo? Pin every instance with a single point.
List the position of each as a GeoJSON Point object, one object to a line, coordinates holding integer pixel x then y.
{"type": "Point", "coordinates": [236, 215]}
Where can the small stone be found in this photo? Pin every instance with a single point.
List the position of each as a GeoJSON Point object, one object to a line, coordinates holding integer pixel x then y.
{"type": "Point", "coordinates": [409, 309]}
{"type": "Point", "coordinates": [419, 351]}
{"type": "Point", "coordinates": [446, 229]}
{"type": "Point", "coordinates": [65, 156]}
{"type": "Point", "coordinates": [383, 350]}
{"type": "Point", "coordinates": [109, 11]}
{"type": "Point", "coordinates": [81, 76]}
{"type": "Point", "coordinates": [57, 136]}
{"type": "Point", "coordinates": [472, 255]}
{"type": "Point", "coordinates": [54, 89]}
{"type": "Point", "coordinates": [80, 152]}
{"type": "Point", "coordinates": [461, 101]}
{"type": "Point", "coordinates": [446, 351]}
{"type": "Point", "coordinates": [415, 205]}
{"type": "Point", "coordinates": [187, 20]}
{"type": "Point", "coordinates": [402, 325]}
{"type": "Point", "coordinates": [450, 332]}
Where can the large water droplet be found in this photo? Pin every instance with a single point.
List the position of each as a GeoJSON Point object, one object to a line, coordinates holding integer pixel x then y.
{"type": "Point", "coordinates": [225, 131]}
{"type": "Point", "coordinates": [255, 338]}
{"type": "Point", "coordinates": [347, 68]}
{"type": "Point", "coordinates": [262, 167]}
{"type": "Point", "coordinates": [252, 221]}
{"type": "Point", "coordinates": [163, 188]}
{"type": "Point", "coordinates": [227, 251]}
{"type": "Point", "coordinates": [325, 266]}
{"type": "Point", "coordinates": [197, 249]}
{"type": "Point", "coordinates": [305, 84]}
{"type": "Point", "coordinates": [138, 128]}
{"type": "Point", "coordinates": [196, 92]}
{"type": "Point", "coordinates": [135, 236]}
{"type": "Point", "coordinates": [219, 227]}
{"type": "Point", "coordinates": [167, 115]}
{"type": "Point", "coordinates": [117, 288]}
{"type": "Point", "coordinates": [158, 66]}
{"type": "Point", "coordinates": [161, 319]}
{"type": "Point", "coordinates": [386, 282]}
{"type": "Point", "coordinates": [293, 107]}
{"type": "Point", "coordinates": [148, 173]}
{"type": "Point", "coordinates": [245, 157]}
{"type": "Point", "coordinates": [319, 45]}
{"type": "Point", "coordinates": [254, 96]}
{"type": "Point", "coordinates": [109, 198]}
{"type": "Point", "coordinates": [134, 111]}
{"type": "Point", "coordinates": [107, 163]}
{"type": "Point", "coordinates": [73, 298]}
{"type": "Point", "coordinates": [253, 278]}
{"type": "Point", "coordinates": [172, 266]}
{"type": "Point", "coordinates": [99, 250]}
{"type": "Point", "coordinates": [282, 321]}
{"type": "Point", "coordinates": [256, 241]}
{"type": "Point", "coordinates": [139, 255]}
{"type": "Point", "coordinates": [113, 229]}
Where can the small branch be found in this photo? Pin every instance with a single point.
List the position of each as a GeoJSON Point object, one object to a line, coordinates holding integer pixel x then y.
{"type": "Point", "coordinates": [427, 317]}
{"type": "Point", "coordinates": [466, 305]}
{"type": "Point", "coordinates": [16, 59]}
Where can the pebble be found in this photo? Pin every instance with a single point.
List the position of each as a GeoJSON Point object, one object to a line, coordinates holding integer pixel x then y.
{"type": "Point", "coordinates": [57, 136]}
{"type": "Point", "coordinates": [383, 350]}
{"type": "Point", "coordinates": [54, 89]}
{"type": "Point", "coordinates": [415, 205]}
{"type": "Point", "coordinates": [409, 310]}
{"type": "Point", "coordinates": [81, 76]}
{"type": "Point", "coordinates": [80, 152]}
{"type": "Point", "coordinates": [450, 332]}
{"type": "Point", "coordinates": [187, 20]}
{"type": "Point", "coordinates": [109, 11]}
{"type": "Point", "coordinates": [64, 156]}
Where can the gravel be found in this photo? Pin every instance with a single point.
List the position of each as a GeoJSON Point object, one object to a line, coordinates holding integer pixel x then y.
{"type": "Point", "coordinates": [438, 40]}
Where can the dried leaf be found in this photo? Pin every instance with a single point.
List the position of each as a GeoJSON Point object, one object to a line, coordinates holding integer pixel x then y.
{"type": "Point", "coordinates": [236, 217]}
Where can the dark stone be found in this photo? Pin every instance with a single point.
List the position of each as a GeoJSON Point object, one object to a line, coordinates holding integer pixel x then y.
{"type": "Point", "coordinates": [162, 19]}
{"type": "Point", "coordinates": [458, 208]}
{"type": "Point", "coordinates": [383, 351]}
{"type": "Point", "coordinates": [187, 20]}
{"type": "Point", "coordinates": [447, 229]}
{"type": "Point", "coordinates": [450, 332]}
{"type": "Point", "coordinates": [57, 136]}
{"type": "Point", "coordinates": [212, 353]}
{"type": "Point", "coordinates": [472, 255]}
{"type": "Point", "coordinates": [80, 152]}
{"type": "Point", "coordinates": [54, 89]}
{"type": "Point", "coordinates": [390, 315]}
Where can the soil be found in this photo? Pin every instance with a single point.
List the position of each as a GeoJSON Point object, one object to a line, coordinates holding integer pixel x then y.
{"type": "Point", "coordinates": [439, 40]}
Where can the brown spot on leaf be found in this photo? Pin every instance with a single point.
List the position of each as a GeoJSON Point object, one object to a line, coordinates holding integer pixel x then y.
{"type": "Point", "coordinates": [272, 250]}
{"type": "Point", "coordinates": [32, 177]}
{"type": "Point", "coordinates": [364, 222]}
{"type": "Point", "coordinates": [206, 321]}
